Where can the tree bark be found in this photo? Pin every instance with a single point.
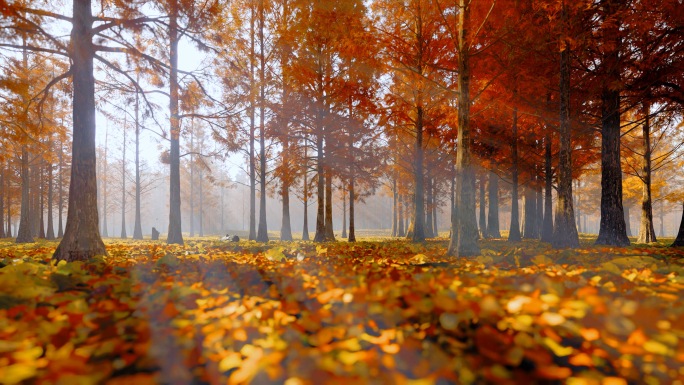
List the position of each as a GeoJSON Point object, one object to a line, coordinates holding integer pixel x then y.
{"type": "Point", "coordinates": [175, 235]}
{"type": "Point", "coordinates": [429, 231]}
{"type": "Point", "coordinates": [262, 232]}
{"type": "Point", "coordinates": [60, 204]}
{"type": "Point", "coordinates": [344, 213]}
{"type": "Point", "coordinates": [464, 232]}
{"type": "Point", "coordinates": [137, 229]}
{"type": "Point", "coordinates": [565, 233]}
{"type": "Point", "coordinates": [401, 231]}
{"type": "Point", "coordinates": [285, 228]}
{"type": "Point", "coordinates": [547, 227]}
{"type": "Point", "coordinates": [483, 214]}
{"type": "Point", "coordinates": [320, 209]}
{"type": "Point", "coordinates": [50, 234]}
{"type": "Point", "coordinates": [305, 230]}
{"type": "Point", "coordinates": [352, 198]}
{"type": "Point", "coordinates": [41, 194]}
{"type": "Point", "coordinates": [514, 232]}
{"type": "Point", "coordinates": [192, 178]}
{"type": "Point", "coordinates": [493, 214]}
{"type": "Point", "coordinates": [612, 230]}
{"type": "Point", "coordinates": [25, 235]}
{"type": "Point", "coordinates": [417, 227]}
{"type": "Point", "coordinates": [329, 233]}
{"type": "Point", "coordinates": [252, 131]}
{"type": "Point", "coordinates": [201, 200]}
{"type": "Point", "coordinates": [540, 208]}
{"type": "Point", "coordinates": [394, 208]}
{"type": "Point", "coordinates": [646, 229]}
{"type": "Point", "coordinates": [123, 186]}
{"type": "Point", "coordinates": [81, 239]}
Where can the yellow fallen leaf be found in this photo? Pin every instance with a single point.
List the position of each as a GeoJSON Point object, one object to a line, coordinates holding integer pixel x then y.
{"type": "Point", "coordinates": [14, 374]}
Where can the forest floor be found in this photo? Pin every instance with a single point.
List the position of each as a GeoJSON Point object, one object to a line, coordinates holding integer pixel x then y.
{"type": "Point", "coordinates": [379, 311]}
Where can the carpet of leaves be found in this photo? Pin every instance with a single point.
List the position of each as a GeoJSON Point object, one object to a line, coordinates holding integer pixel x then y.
{"type": "Point", "coordinates": [372, 312]}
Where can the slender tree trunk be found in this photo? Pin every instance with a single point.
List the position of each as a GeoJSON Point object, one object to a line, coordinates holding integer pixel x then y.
{"type": "Point", "coordinates": [464, 225]}
{"type": "Point", "coordinates": [493, 215]}
{"type": "Point", "coordinates": [25, 234]}
{"type": "Point", "coordinates": [547, 227]}
{"type": "Point", "coordinates": [647, 230]}
{"type": "Point", "coordinates": [175, 235]}
{"type": "Point", "coordinates": [137, 229]}
{"type": "Point", "coordinates": [344, 213]}
{"type": "Point", "coordinates": [400, 205]}
{"type": "Point", "coordinates": [252, 130]}
{"type": "Point", "coordinates": [352, 198]}
{"type": "Point", "coordinates": [628, 221]}
{"type": "Point", "coordinates": [540, 208]}
{"type": "Point", "coordinates": [483, 214]}
{"type": "Point", "coordinates": [418, 220]}
{"type": "Point", "coordinates": [9, 203]}
{"type": "Point", "coordinates": [320, 210]}
{"type": "Point", "coordinates": [662, 220]}
{"type": "Point", "coordinates": [262, 233]}
{"type": "Point", "coordinates": [201, 200]}
{"type": "Point", "coordinates": [434, 210]}
{"type": "Point", "coordinates": [329, 234]}
{"type": "Point", "coordinates": [305, 179]}
{"type": "Point", "coordinates": [192, 178]}
{"type": "Point", "coordinates": [565, 233]}
{"type": "Point", "coordinates": [123, 186]}
{"type": "Point", "coordinates": [50, 234]}
{"type": "Point", "coordinates": [81, 239]}
{"type": "Point", "coordinates": [429, 231]}
{"type": "Point", "coordinates": [514, 232]}
{"type": "Point", "coordinates": [60, 204]}
{"type": "Point", "coordinates": [34, 194]}
{"type": "Point", "coordinates": [394, 207]}
{"type": "Point", "coordinates": [41, 193]}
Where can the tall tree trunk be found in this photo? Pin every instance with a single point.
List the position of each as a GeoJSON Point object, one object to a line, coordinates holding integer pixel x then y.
{"type": "Point", "coordinates": [662, 220]}
{"type": "Point", "coordinates": [400, 206]}
{"type": "Point", "coordinates": [192, 178]}
{"type": "Point", "coordinates": [81, 239]}
{"type": "Point", "coordinates": [394, 207]}
{"type": "Point", "coordinates": [628, 221]}
{"type": "Point", "coordinates": [514, 232]}
{"type": "Point", "coordinates": [320, 191]}
{"type": "Point", "coordinates": [564, 232]}
{"type": "Point", "coordinates": [50, 234]}
{"type": "Point", "coordinates": [578, 212]}
{"type": "Point", "coordinates": [137, 229]}
{"type": "Point", "coordinates": [418, 219]}
{"type": "Point", "coordinates": [612, 229]}
{"type": "Point", "coordinates": [305, 179]}
{"type": "Point", "coordinates": [252, 130]}
{"type": "Point", "coordinates": [123, 186]}
{"type": "Point", "coordinates": [547, 227]}
{"type": "Point", "coordinates": [262, 232]}
{"type": "Point", "coordinates": [60, 204]}
{"type": "Point", "coordinates": [483, 214]}
{"type": "Point", "coordinates": [493, 215]}
{"type": "Point", "coordinates": [540, 208]}
{"type": "Point", "coordinates": [434, 210]}
{"type": "Point", "coordinates": [464, 225]}
{"type": "Point", "coordinates": [201, 200]}
{"type": "Point", "coordinates": [329, 234]}
{"type": "Point", "coordinates": [352, 198]}
{"type": "Point", "coordinates": [344, 213]}
{"type": "Point", "coordinates": [429, 231]}
{"type": "Point", "coordinates": [41, 192]}
{"type": "Point", "coordinates": [175, 235]}
{"type": "Point", "coordinates": [285, 228]}
{"type": "Point", "coordinates": [646, 229]}
{"type": "Point", "coordinates": [25, 234]}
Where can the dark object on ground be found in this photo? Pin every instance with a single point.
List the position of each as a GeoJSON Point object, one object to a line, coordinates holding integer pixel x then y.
{"type": "Point", "coordinates": [155, 234]}
{"type": "Point", "coordinates": [235, 238]}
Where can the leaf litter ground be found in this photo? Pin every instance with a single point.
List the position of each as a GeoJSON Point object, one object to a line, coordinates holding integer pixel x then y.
{"type": "Point", "coordinates": [373, 312]}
